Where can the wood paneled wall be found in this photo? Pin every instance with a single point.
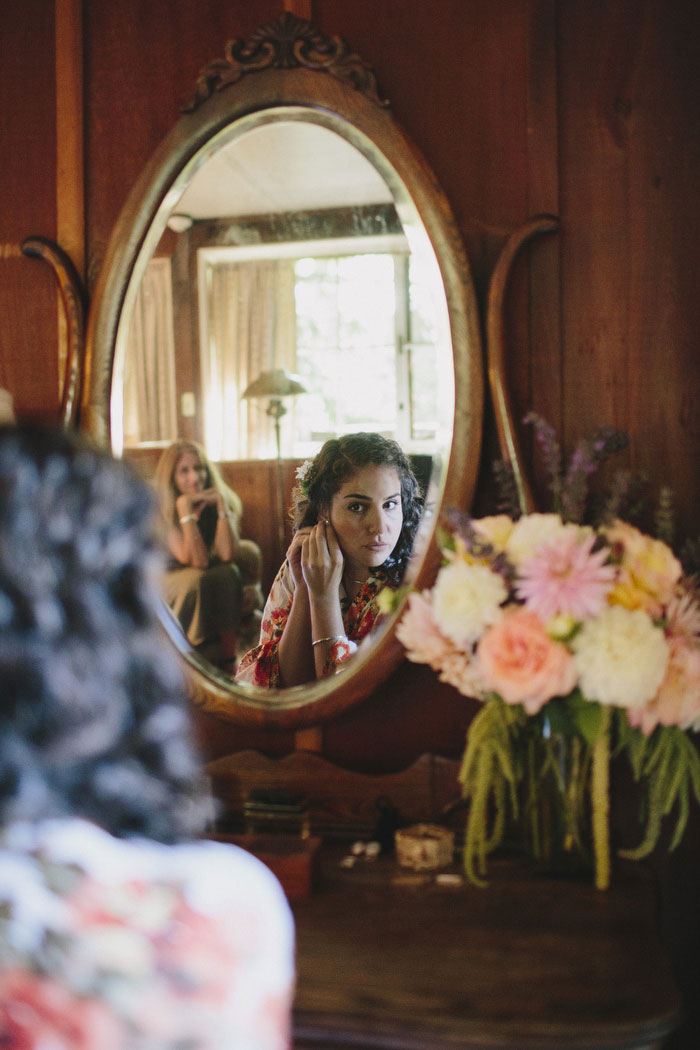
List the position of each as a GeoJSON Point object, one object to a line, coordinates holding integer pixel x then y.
{"type": "Point", "coordinates": [586, 109]}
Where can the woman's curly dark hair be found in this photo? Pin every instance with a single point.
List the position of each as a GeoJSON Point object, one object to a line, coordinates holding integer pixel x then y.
{"type": "Point", "coordinates": [93, 718]}
{"type": "Point", "coordinates": [338, 460]}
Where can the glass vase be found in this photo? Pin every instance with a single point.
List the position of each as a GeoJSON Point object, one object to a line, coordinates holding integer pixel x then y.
{"type": "Point", "coordinates": [556, 817]}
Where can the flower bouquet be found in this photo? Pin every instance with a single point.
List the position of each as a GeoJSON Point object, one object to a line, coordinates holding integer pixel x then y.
{"type": "Point", "coordinates": [567, 632]}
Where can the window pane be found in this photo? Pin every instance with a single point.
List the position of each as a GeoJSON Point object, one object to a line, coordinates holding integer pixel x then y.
{"type": "Point", "coordinates": [345, 346]}
{"type": "Point", "coordinates": [424, 391]}
{"type": "Point", "coordinates": [421, 298]}
{"type": "Point", "coordinates": [428, 404]}
{"type": "Point", "coordinates": [366, 300]}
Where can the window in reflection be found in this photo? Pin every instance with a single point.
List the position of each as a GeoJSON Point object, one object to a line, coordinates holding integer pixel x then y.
{"type": "Point", "coordinates": [367, 347]}
{"type": "Point", "coordinates": [359, 330]}
{"type": "Point", "coordinates": [355, 317]}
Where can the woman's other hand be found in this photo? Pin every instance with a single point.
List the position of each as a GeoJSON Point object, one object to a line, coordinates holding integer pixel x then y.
{"type": "Point", "coordinates": [322, 560]}
{"type": "Point", "coordinates": [294, 555]}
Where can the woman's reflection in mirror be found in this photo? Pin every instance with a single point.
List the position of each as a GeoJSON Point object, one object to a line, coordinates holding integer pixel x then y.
{"type": "Point", "coordinates": [356, 509]}
{"type": "Point", "coordinates": [212, 583]}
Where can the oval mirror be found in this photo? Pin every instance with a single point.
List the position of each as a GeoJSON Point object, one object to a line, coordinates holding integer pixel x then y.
{"type": "Point", "coordinates": [288, 163]}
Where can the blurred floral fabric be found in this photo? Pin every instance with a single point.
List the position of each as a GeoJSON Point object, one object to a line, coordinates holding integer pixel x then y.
{"type": "Point", "coordinates": [131, 944]}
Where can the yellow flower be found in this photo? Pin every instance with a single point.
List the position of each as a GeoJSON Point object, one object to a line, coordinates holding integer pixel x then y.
{"type": "Point", "coordinates": [461, 553]}
{"type": "Point", "coordinates": [560, 627]}
{"type": "Point", "coordinates": [649, 570]}
{"type": "Point", "coordinates": [494, 529]}
{"type": "Point", "coordinates": [386, 601]}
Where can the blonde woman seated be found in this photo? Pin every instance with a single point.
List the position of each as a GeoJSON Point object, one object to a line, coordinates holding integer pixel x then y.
{"type": "Point", "coordinates": [212, 583]}
{"type": "Point", "coordinates": [356, 510]}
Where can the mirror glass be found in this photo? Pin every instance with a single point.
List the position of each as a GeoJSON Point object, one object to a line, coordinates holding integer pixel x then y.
{"type": "Point", "coordinates": [281, 247]}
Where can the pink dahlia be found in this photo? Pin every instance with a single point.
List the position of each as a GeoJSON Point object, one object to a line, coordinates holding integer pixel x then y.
{"type": "Point", "coordinates": [677, 702]}
{"type": "Point", "coordinates": [565, 577]}
{"type": "Point", "coordinates": [683, 616]}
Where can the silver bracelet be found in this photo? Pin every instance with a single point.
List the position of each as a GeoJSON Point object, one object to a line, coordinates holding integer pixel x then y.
{"type": "Point", "coordinates": [188, 517]}
{"type": "Point", "coordinates": [331, 638]}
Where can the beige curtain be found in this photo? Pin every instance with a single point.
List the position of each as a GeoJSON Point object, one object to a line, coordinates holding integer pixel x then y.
{"type": "Point", "coordinates": [250, 327]}
{"type": "Point", "coordinates": [149, 369]}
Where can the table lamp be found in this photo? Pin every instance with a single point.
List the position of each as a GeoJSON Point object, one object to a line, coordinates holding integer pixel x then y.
{"type": "Point", "coordinates": [275, 384]}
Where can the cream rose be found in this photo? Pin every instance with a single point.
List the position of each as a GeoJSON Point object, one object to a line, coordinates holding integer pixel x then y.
{"type": "Point", "coordinates": [532, 531]}
{"type": "Point", "coordinates": [466, 600]}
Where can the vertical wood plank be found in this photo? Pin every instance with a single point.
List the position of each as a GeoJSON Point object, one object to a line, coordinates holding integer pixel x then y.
{"type": "Point", "coordinates": [28, 295]}
{"type": "Point", "coordinates": [545, 395]}
{"type": "Point", "coordinates": [70, 184]}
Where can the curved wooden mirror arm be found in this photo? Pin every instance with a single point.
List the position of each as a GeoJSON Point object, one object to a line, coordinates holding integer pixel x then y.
{"type": "Point", "coordinates": [289, 65]}
{"type": "Point", "coordinates": [74, 305]}
{"type": "Point", "coordinates": [496, 352]}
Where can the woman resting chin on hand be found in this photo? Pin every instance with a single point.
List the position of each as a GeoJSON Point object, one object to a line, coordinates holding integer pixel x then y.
{"type": "Point", "coordinates": [212, 581]}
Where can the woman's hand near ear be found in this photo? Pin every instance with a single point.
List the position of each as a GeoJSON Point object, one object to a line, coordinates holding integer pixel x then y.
{"type": "Point", "coordinates": [322, 560]}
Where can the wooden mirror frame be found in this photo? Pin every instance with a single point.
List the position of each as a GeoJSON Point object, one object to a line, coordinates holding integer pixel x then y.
{"type": "Point", "coordinates": [290, 63]}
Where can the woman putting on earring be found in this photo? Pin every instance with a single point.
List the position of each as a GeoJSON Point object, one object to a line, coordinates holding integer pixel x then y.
{"type": "Point", "coordinates": [356, 510]}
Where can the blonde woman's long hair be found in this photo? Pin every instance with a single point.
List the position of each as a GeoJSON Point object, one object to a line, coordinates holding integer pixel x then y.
{"type": "Point", "coordinates": [165, 480]}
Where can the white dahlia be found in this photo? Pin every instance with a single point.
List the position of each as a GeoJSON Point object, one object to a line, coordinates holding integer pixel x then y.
{"type": "Point", "coordinates": [621, 657]}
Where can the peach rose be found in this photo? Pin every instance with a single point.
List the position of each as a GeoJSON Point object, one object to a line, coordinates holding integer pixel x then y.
{"type": "Point", "coordinates": [519, 661]}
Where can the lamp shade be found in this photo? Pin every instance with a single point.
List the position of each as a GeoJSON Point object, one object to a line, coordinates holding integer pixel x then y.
{"type": "Point", "coordinates": [275, 383]}
{"type": "Point", "coordinates": [179, 223]}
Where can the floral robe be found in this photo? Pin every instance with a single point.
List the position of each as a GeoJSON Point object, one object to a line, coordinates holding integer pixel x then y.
{"type": "Point", "coordinates": [132, 945]}
{"type": "Point", "coordinates": [260, 666]}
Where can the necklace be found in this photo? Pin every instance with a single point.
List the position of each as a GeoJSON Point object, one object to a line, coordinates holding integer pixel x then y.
{"type": "Point", "coordinates": [349, 579]}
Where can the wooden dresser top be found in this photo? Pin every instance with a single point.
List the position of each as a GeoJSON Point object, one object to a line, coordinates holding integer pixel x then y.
{"type": "Point", "coordinates": [529, 963]}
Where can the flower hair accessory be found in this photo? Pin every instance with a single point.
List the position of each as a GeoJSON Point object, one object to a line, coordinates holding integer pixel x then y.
{"type": "Point", "coordinates": [304, 475]}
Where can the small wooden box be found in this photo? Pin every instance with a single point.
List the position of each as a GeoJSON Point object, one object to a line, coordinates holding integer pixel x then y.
{"type": "Point", "coordinates": [292, 859]}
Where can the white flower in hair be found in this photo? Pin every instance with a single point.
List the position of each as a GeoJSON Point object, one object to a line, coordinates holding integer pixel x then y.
{"type": "Point", "coordinates": [303, 475]}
